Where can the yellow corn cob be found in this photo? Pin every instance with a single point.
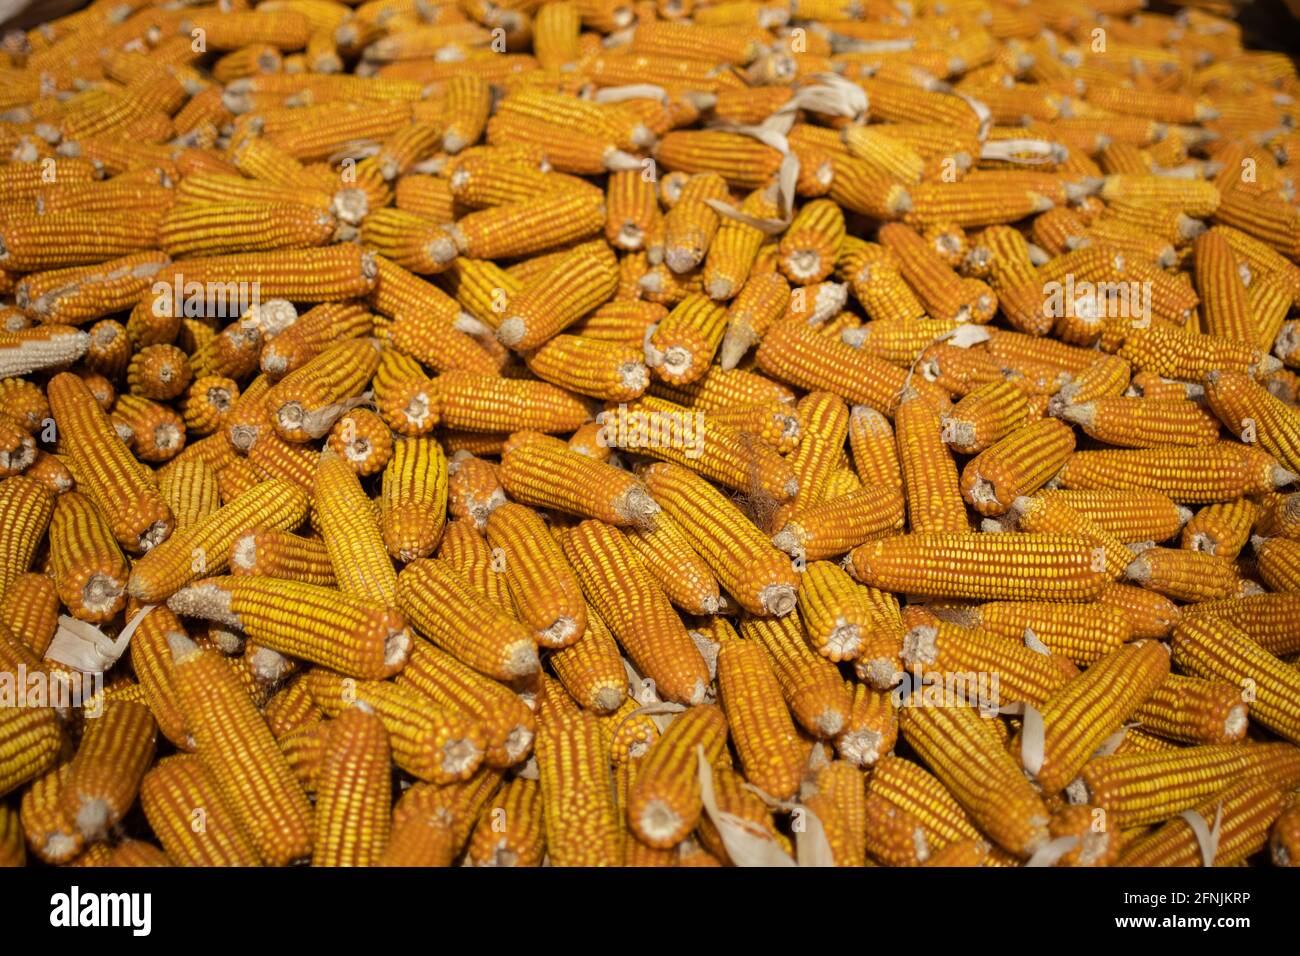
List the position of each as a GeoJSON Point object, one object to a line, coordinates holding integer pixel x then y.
{"type": "Point", "coordinates": [984, 566]}
{"type": "Point", "coordinates": [482, 636]}
{"type": "Point", "coordinates": [761, 301]}
{"type": "Point", "coordinates": [352, 814]}
{"type": "Point", "coordinates": [760, 577]}
{"type": "Point", "coordinates": [751, 699]}
{"type": "Point", "coordinates": [1184, 575]}
{"type": "Point", "coordinates": [306, 402]}
{"type": "Point", "coordinates": [511, 828]}
{"type": "Point", "coordinates": [1223, 471]}
{"type": "Point", "coordinates": [30, 605]}
{"type": "Point", "coordinates": [304, 621]}
{"type": "Point", "coordinates": [602, 369]}
{"type": "Point", "coordinates": [1246, 810]}
{"type": "Point", "coordinates": [1143, 422]}
{"type": "Point", "coordinates": [1213, 648]}
{"type": "Point", "coordinates": [578, 799]}
{"type": "Point", "coordinates": [1255, 416]}
{"type": "Point", "coordinates": [1083, 713]}
{"type": "Point", "coordinates": [279, 554]}
{"type": "Point", "coordinates": [1184, 354]}
{"type": "Point", "coordinates": [929, 474]}
{"type": "Point", "coordinates": [542, 584]}
{"type": "Point", "coordinates": [89, 569]}
{"type": "Point", "coordinates": [1084, 633]}
{"type": "Point", "coordinates": [478, 402]}
{"type": "Point", "coordinates": [1018, 464]}
{"type": "Point", "coordinates": [934, 646]}
{"type": "Point", "coordinates": [963, 751]}
{"type": "Point", "coordinates": [465, 549]}
{"type": "Point", "coordinates": [413, 501]}
{"type": "Point", "coordinates": [474, 488]}
{"type": "Point", "coordinates": [237, 748]}
{"type": "Point", "coordinates": [204, 548]}
{"type": "Point", "coordinates": [1195, 711]}
{"type": "Point", "coordinates": [985, 415]}
{"type": "Point", "coordinates": [661, 429]}
{"type": "Point", "coordinates": [591, 668]}
{"type": "Point", "coordinates": [185, 808]}
{"type": "Point", "coordinates": [637, 611]}
{"type": "Point", "coordinates": [682, 347]}
{"type": "Point", "coordinates": [812, 687]}
{"type": "Point", "coordinates": [1283, 841]}
{"type": "Point", "coordinates": [350, 528]}
{"type": "Point", "coordinates": [543, 472]}
{"type": "Point", "coordinates": [452, 686]}
{"type": "Point", "coordinates": [664, 801]}
{"type": "Point", "coordinates": [668, 555]}
{"type": "Point", "coordinates": [1278, 562]}
{"type": "Point", "coordinates": [106, 771]}
{"type": "Point", "coordinates": [841, 523]}
{"type": "Point", "coordinates": [118, 485]}
{"type": "Point", "coordinates": [32, 243]}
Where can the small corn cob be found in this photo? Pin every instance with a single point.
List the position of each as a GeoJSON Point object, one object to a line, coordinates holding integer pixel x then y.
{"type": "Point", "coordinates": [1016, 465]}
{"type": "Point", "coordinates": [1184, 575]}
{"type": "Point", "coordinates": [841, 523]}
{"type": "Point", "coordinates": [479, 402]}
{"type": "Point", "coordinates": [1128, 515]}
{"type": "Point", "coordinates": [30, 605]}
{"type": "Point", "coordinates": [1195, 711]}
{"type": "Point", "coordinates": [1223, 471]}
{"type": "Point", "coordinates": [1144, 422]}
{"type": "Point", "coordinates": [465, 549]}
{"type": "Point", "coordinates": [982, 567]}
{"type": "Point", "coordinates": [350, 528]}
{"type": "Point", "coordinates": [1246, 811]}
{"type": "Point", "coordinates": [1084, 633]}
{"type": "Point", "coordinates": [303, 621]}
{"type": "Point", "coordinates": [813, 689]}
{"type": "Point", "coordinates": [930, 478]}
{"type": "Point", "coordinates": [602, 369]}
{"type": "Point", "coordinates": [305, 403]}
{"type": "Point", "coordinates": [352, 814]}
{"type": "Point", "coordinates": [1254, 415]}
{"type": "Point", "coordinates": [482, 636]}
{"type": "Point", "coordinates": [577, 284]}
{"type": "Point", "coordinates": [412, 510]}
{"type": "Point", "coordinates": [1268, 619]}
{"type": "Point", "coordinates": [591, 669]}
{"type": "Point", "coordinates": [931, 645]}
{"type": "Point", "coordinates": [760, 724]}
{"type": "Point", "coordinates": [1050, 514]}
{"type": "Point", "coordinates": [578, 797]}
{"type": "Point", "coordinates": [106, 771]}
{"type": "Point", "coordinates": [511, 828]}
{"type": "Point", "coordinates": [279, 554]}
{"type": "Point", "coordinates": [664, 802]}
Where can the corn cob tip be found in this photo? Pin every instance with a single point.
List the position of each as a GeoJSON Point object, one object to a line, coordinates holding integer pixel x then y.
{"type": "Point", "coordinates": [778, 599]}
{"type": "Point", "coordinates": [207, 601]}
{"type": "Point", "coordinates": [181, 646]}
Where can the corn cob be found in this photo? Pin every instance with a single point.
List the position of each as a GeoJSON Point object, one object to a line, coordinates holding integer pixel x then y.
{"type": "Point", "coordinates": [636, 610]}
{"type": "Point", "coordinates": [542, 472]}
{"type": "Point", "coordinates": [104, 776]}
{"type": "Point", "coordinates": [120, 488]}
{"type": "Point", "coordinates": [542, 584]}
{"type": "Point", "coordinates": [90, 570]}
{"type": "Point", "coordinates": [204, 548]}
{"type": "Point", "coordinates": [987, 567]}
{"type": "Point", "coordinates": [1220, 472]}
{"type": "Point", "coordinates": [764, 583]}
{"type": "Point", "coordinates": [963, 751]}
{"type": "Point", "coordinates": [578, 799]}
{"type": "Point", "coordinates": [304, 621]}
{"type": "Point", "coordinates": [1247, 811]}
{"type": "Point", "coordinates": [237, 748]}
{"type": "Point", "coordinates": [1183, 575]}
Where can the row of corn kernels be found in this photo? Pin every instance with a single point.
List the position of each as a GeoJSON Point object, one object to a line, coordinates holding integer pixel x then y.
{"type": "Point", "coordinates": [655, 433]}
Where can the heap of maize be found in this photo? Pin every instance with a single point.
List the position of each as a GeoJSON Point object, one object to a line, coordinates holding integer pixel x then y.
{"type": "Point", "coordinates": [615, 432]}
